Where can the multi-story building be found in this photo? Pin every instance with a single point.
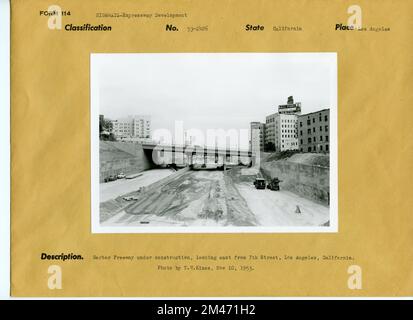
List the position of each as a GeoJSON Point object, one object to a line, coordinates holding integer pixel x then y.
{"type": "Point", "coordinates": [257, 135]}
{"type": "Point", "coordinates": [270, 129]}
{"type": "Point", "coordinates": [314, 131]}
{"type": "Point", "coordinates": [290, 107]}
{"type": "Point", "coordinates": [281, 131]}
{"type": "Point", "coordinates": [132, 127]}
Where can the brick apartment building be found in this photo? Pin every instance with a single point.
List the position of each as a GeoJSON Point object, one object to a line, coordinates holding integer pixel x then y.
{"type": "Point", "coordinates": [314, 131]}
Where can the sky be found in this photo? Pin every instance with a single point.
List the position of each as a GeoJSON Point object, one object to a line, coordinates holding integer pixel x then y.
{"type": "Point", "coordinates": [211, 90]}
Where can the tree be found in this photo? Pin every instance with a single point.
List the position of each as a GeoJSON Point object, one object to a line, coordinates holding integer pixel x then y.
{"type": "Point", "coordinates": [105, 129]}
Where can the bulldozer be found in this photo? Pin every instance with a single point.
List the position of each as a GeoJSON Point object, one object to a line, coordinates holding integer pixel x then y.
{"type": "Point", "coordinates": [274, 184]}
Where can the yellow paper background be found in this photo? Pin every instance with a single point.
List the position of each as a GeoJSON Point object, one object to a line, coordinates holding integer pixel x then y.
{"type": "Point", "coordinates": [51, 150]}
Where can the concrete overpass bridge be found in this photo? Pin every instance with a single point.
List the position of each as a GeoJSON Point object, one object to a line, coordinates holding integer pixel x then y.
{"type": "Point", "coordinates": [190, 155]}
{"type": "Point", "coordinates": [132, 157]}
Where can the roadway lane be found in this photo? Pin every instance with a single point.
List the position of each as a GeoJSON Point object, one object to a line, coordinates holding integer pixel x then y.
{"type": "Point", "coordinates": [114, 189]}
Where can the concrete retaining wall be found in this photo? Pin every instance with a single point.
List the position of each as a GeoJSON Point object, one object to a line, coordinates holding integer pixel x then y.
{"type": "Point", "coordinates": [307, 180]}
{"type": "Point", "coordinates": [126, 157]}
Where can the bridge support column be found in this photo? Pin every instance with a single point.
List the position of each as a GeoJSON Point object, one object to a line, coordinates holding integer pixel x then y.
{"type": "Point", "coordinates": [173, 155]}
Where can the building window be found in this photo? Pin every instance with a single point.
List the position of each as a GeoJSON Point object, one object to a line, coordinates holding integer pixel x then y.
{"type": "Point", "coordinates": [314, 139]}
{"type": "Point", "coordinates": [321, 138]}
{"type": "Point", "coordinates": [327, 138]}
{"type": "Point", "coordinates": [313, 120]}
{"type": "Point", "coordinates": [314, 129]}
{"type": "Point", "coordinates": [314, 148]}
{"type": "Point", "coordinates": [321, 128]}
{"type": "Point", "coordinates": [301, 132]}
{"type": "Point", "coordinates": [325, 118]}
{"type": "Point", "coordinates": [309, 140]}
{"type": "Point", "coordinates": [309, 131]}
{"type": "Point", "coordinates": [308, 122]}
{"type": "Point", "coordinates": [301, 124]}
{"type": "Point", "coordinates": [301, 141]}
{"type": "Point", "coordinates": [321, 148]}
{"type": "Point", "coordinates": [327, 147]}
{"type": "Point", "coordinates": [326, 127]}
{"type": "Point", "coordinates": [309, 149]}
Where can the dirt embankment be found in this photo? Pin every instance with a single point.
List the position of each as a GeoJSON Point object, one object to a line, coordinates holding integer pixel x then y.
{"type": "Point", "coordinates": [312, 159]}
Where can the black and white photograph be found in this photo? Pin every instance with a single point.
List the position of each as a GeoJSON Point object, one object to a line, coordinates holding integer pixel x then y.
{"type": "Point", "coordinates": [214, 142]}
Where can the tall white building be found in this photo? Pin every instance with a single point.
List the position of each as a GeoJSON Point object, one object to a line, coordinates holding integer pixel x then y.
{"type": "Point", "coordinates": [281, 130]}
{"type": "Point", "coordinates": [257, 135]}
{"type": "Point", "coordinates": [132, 127]}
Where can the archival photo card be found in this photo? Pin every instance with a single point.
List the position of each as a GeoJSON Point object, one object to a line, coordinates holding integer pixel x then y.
{"type": "Point", "coordinates": [214, 142]}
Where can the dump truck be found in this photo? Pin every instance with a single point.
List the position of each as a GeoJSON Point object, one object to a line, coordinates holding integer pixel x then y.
{"type": "Point", "coordinates": [259, 183]}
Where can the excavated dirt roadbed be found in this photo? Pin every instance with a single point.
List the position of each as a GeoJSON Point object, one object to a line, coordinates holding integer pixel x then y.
{"type": "Point", "coordinates": [212, 198]}
{"type": "Point", "coordinates": [196, 198]}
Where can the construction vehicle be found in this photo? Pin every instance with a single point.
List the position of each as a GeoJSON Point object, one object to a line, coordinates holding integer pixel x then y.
{"type": "Point", "coordinates": [110, 178]}
{"type": "Point", "coordinates": [259, 183]}
{"type": "Point", "coordinates": [274, 184]}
